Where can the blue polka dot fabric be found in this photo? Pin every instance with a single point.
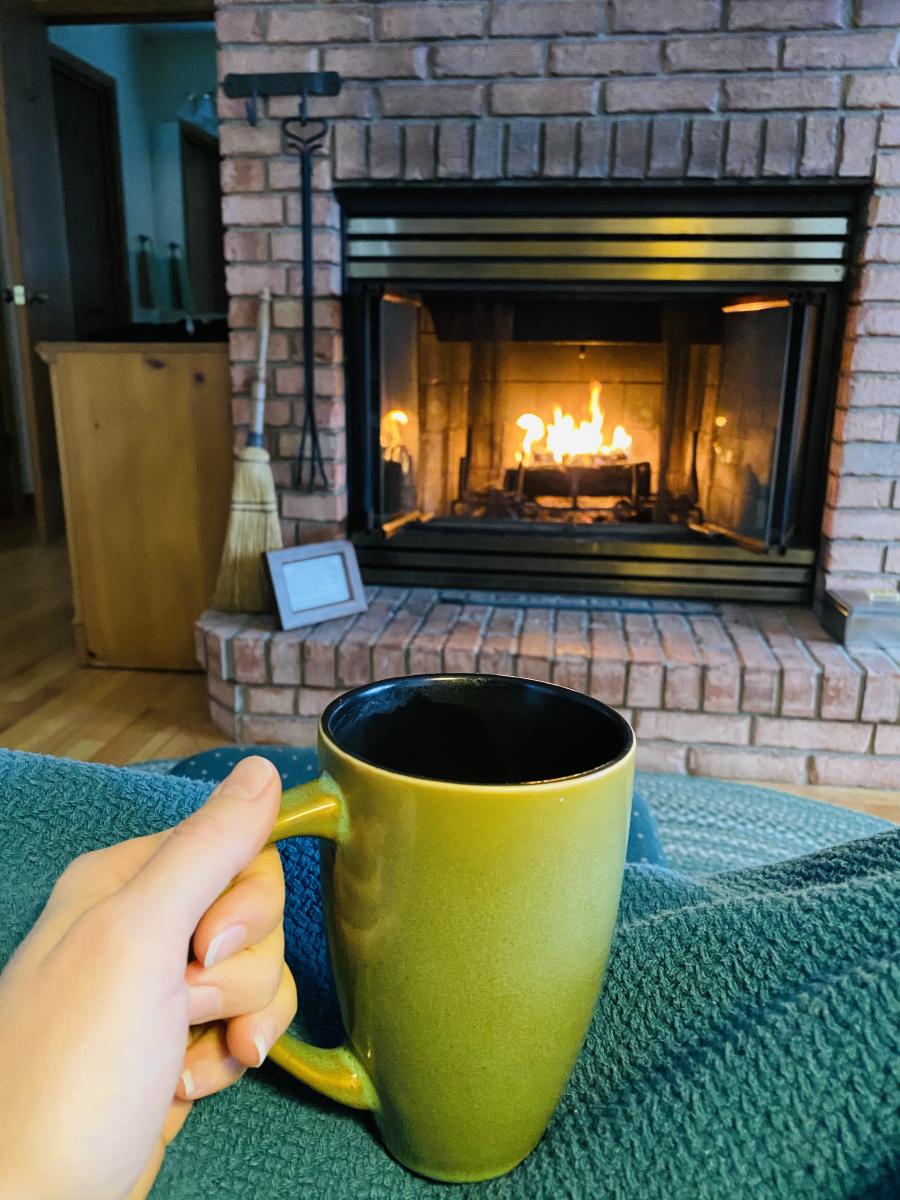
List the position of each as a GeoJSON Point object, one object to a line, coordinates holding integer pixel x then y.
{"type": "Point", "coordinates": [298, 765]}
{"type": "Point", "coordinates": [644, 845]}
{"type": "Point", "coordinates": [295, 765]}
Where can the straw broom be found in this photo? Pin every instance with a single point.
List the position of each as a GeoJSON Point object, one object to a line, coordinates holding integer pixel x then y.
{"type": "Point", "coordinates": [253, 526]}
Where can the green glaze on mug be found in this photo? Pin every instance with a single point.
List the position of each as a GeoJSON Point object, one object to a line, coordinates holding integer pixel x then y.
{"type": "Point", "coordinates": [469, 922]}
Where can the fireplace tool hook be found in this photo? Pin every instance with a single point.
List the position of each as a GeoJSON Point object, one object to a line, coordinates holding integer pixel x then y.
{"type": "Point", "coordinates": [303, 137]}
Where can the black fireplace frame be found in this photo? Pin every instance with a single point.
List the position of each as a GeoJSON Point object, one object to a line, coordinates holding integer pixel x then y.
{"type": "Point", "coordinates": [616, 561]}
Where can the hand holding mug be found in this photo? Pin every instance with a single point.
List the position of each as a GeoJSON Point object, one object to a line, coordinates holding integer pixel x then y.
{"type": "Point", "coordinates": [100, 1063]}
{"type": "Point", "coordinates": [475, 833]}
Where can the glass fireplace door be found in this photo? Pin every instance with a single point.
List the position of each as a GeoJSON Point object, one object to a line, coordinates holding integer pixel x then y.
{"type": "Point", "coordinates": [581, 414]}
{"type": "Point", "coordinates": [749, 465]}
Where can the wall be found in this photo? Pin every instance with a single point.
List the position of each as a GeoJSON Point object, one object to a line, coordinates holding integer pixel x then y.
{"type": "Point", "coordinates": [157, 69]}
{"type": "Point", "coordinates": [622, 92]}
{"type": "Point", "coordinates": [177, 63]}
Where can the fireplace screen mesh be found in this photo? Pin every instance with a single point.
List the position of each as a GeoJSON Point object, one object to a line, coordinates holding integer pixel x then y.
{"type": "Point", "coordinates": [579, 414]}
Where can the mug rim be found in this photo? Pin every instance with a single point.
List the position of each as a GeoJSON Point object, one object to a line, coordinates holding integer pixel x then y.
{"type": "Point", "coordinates": [629, 738]}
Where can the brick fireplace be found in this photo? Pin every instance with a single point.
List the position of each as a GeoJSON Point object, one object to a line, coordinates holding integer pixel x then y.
{"type": "Point", "coordinates": [635, 94]}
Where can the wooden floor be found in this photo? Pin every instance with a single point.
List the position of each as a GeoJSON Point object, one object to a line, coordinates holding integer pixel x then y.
{"type": "Point", "coordinates": [51, 705]}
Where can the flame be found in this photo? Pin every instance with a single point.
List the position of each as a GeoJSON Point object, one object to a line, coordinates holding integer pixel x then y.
{"type": "Point", "coordinates": [564, 439]}
{"type": "Point", "coordinates": [391, 423]}
{"type": "Point", "coordinates": [534, 431]}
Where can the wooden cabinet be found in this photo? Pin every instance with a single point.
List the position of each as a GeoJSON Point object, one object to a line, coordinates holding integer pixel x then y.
{"type": "Point", "coordinates": [145, 444]}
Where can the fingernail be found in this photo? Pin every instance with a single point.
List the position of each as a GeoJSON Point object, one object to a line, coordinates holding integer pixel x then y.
{"type": "Point", "coordinates": [224, 944]}
{"type": "Point", "coordinates": [264, 1040]}
{"type": "Point", "coordinates": [251, 776]}
{"type": "Point", "coordinates": [204, 1004]}
{"type": "Point", "coordinates": [207, 1076]}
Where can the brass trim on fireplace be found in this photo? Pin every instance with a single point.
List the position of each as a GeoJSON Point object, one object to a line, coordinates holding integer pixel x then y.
{"type": "Point", "coordinates": [773, 249]}
{"type": "Point", "coordinates": [398, 248]}
{"type": "Point", "coordinates": [657, 272]}
{"type": "Point", "coordinates": [621, 226]}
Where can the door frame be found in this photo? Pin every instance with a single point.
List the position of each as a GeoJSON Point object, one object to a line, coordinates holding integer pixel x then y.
{"type": "Point", "coordinates": [31, 16]}
{"type": "Point", "coordinates": [120, 12]}
{"type": "Point", "coordinates": [194, 133]}
{"type": "Point", "coordinates": [9, 418]}
{"type": "Point", "coordinates": [36, 405]}
{"type": "Point", "coordinates": [104, 85]}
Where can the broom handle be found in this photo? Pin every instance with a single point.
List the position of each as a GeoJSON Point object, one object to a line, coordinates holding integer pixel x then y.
{"type": "Point", "coordinates": [263, 324]}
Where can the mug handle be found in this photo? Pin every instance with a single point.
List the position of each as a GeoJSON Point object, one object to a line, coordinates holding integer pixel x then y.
{"type": "Point", "coordinates": [316, 809]}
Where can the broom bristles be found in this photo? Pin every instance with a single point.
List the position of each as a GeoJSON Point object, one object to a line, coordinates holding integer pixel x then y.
{"type": "Point", "coordinates": [253, 528]}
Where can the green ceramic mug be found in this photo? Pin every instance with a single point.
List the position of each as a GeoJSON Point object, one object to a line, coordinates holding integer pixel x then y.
{"type": "Point", "coordinates": [477, 827]}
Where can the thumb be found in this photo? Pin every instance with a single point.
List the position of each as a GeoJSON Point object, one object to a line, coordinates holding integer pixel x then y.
{"type": "Point", "coordinates": [202, 855]}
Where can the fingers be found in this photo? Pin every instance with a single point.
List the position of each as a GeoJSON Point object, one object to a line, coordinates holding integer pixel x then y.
{"type": "Point", "coordinates": [245, 983]}
{"type": "Point", "coordinates": [201, 856]}
{"type": "Point", "coordinates": [208, 1065]}
{"type": "Point", "coordinates": [220, 1054]}
{"type": "Point", "coordinates": [251, 1037]}
{"type": "Point", "coordinates": [175, 1119]}
{"type": "Point", "coordinates": [245, 914]}
{"type": "Point", "coordinates": [142, 1187]}
{"type": "Point", "coordinates": [178, 1113]}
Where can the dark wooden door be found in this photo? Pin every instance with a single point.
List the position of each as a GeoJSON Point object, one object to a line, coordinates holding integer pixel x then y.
{"type": "Point", "coordinates": [203, 230]}
{"type": "Point", "coordinates": [11, 497]}
{"type": "Point", "coordinates": [35, 268]}
{"type": "Point", "coordinates": [88, 134]}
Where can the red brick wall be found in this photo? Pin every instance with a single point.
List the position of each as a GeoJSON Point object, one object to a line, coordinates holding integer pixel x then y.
{"type": "Point", "coordinates": [655, 90]}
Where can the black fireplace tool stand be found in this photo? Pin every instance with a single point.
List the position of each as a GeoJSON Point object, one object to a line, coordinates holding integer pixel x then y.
{"type": "Point", "coordinates": [303, 137]}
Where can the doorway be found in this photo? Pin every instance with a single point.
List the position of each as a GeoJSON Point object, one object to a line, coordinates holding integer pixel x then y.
{"type": "Point", "coordinates": [88, 135]}
{"type": "Point", "coordinates": [204, 232]}
{"type": "Point", "coordinates": [92, 224]}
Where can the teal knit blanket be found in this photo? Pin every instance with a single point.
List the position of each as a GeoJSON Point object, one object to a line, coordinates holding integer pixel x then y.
{"type": "Point", "coordinates": [747, 1042]}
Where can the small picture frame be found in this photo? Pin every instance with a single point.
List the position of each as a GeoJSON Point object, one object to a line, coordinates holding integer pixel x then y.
{"type": "Point", "coordinates": [316, 583]}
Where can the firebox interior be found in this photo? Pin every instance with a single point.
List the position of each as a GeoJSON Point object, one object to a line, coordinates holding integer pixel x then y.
{"type": "Point", "coordinates": [580, 414]}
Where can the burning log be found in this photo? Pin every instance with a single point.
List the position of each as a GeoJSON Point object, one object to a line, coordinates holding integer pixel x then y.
{"type": "Point", "coordinates": [631, 480]}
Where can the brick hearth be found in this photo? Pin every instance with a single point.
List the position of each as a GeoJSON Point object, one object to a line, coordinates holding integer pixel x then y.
{"type": "Point", "coordinates": [721, 690]}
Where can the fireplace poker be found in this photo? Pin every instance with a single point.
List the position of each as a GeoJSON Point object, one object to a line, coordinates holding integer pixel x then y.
{"type": "Point", "coordinates": [303, 137]}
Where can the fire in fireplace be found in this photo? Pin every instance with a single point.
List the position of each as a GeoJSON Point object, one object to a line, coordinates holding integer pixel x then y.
{"type": "Point", "coordinates": [566, 470]}
{"type": "Point", "coordinates": [651, 414]}
{"type": "Point", "coordinates": [656, 424]}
